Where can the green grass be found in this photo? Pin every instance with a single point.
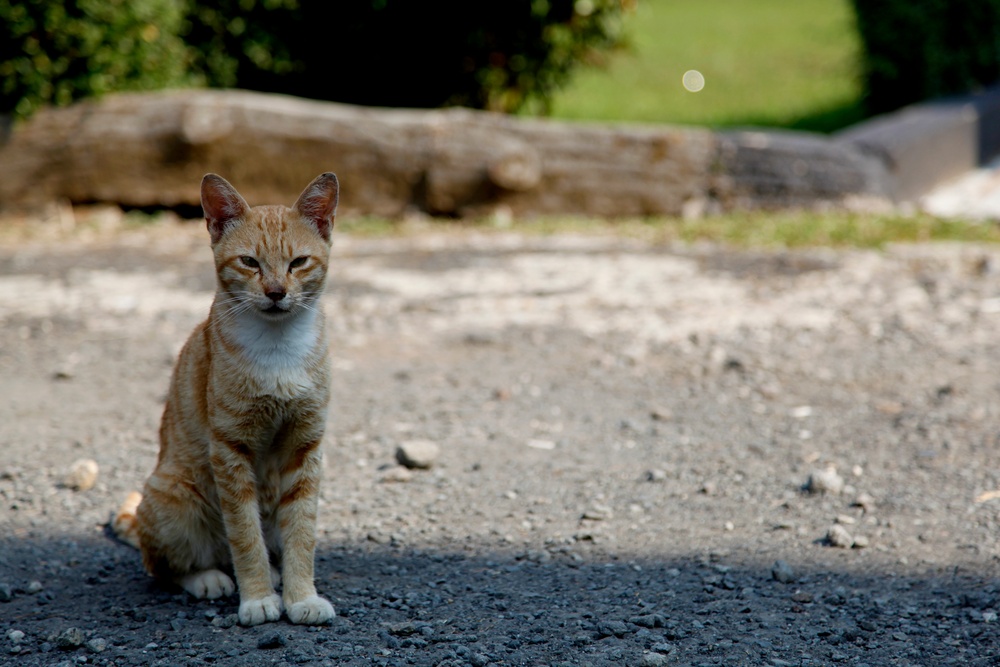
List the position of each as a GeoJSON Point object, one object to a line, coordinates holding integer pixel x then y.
{"type": "Point", "coordinates": [774, 230]}
{"type": "Point", "coordinates": [781, 63]}
{"type": "Point", "coordinates": [833, 229]}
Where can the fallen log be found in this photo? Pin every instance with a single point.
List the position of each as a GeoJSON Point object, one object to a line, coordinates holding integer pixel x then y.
{"type": "Point", "coordinates": [151, 150]}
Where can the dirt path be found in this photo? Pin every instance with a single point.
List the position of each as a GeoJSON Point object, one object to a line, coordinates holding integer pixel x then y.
{"type": "Point", "coordinates": [625, 434]}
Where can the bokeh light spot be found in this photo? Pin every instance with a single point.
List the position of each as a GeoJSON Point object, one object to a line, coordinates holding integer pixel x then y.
{"type": "Point", "coordinates": [693, 80]}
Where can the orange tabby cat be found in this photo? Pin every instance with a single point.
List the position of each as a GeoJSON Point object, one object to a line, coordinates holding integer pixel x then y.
{"type": "Point", "coordinates": [237, 479]}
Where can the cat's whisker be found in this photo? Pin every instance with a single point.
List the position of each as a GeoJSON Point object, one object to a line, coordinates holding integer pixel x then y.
{"type": "Point", "coordinates": [233, 312]}
{"type": "Point", "coordinates": [228, 318]}
{"type": "Point", "coordinates": [236, 302]}
{"type": "Point", "coordinates": [227, 301]}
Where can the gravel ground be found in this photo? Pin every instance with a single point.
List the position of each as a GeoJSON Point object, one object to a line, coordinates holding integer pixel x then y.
{"type": "Point", "coordinates": [646, 455]}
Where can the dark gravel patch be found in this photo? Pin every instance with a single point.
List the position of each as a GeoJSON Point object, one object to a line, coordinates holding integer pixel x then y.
{"type": "Point", "coordinates": [402, 606]}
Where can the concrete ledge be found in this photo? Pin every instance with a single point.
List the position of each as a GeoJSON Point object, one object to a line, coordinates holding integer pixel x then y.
{"type": "Point", "coordinates": [926, 144]}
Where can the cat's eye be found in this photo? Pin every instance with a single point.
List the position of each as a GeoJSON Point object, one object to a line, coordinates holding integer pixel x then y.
{"type": "Point", "coordinates": [250, 261]}
{"type": "Point", "coordinates": [297, 262]}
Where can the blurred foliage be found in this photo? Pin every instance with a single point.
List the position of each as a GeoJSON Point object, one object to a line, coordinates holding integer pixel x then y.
{"type": "Point", "coordinates": [920, 49]}
{"type": "Point", "coordinates": [490, 54]}
{"type": "Point", "coordinates": [234, 39]}
{"type": "Point", "coordinates": [55, 52]}
{"type": "Point", "coordinates": [487, 54]}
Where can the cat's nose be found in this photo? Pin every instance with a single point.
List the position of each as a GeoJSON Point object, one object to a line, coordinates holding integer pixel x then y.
{"type": "Point", "coordinates": [276, 295]}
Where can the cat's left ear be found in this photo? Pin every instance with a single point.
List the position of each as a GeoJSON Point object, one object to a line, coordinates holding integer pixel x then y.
{"type": "Point", "coordinates": [222, 204]}
{"type": "Point", "coordinates": [318, 203]}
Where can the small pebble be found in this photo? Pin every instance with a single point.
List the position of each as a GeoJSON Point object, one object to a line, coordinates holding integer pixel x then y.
{"type": "Point", "coordinates": [82, 475]}
{"type": "Point", "coordinates": [408, 628]}
{"type": "Point", "coordinates": [782, 572]}
{"type": "Point", "coordinates": [226, 622]}
{"type": "Point", "coordinates": [536, 443]}
{"type": "Point", "coordinates": [825, 481]}
{"type": "Point", "coordinates": [649, 620]}
{"type": "Point", "coordinates": [66, 370]}
{"type": "Point", "coordinates": [6, 592]}
{"type": "Point", "coordinates": [661, 414]}
{"type": "Point", "coordinates": [15, 636]}
{"type": "Point", "coordinates": [35, 587]}
{"type": "Point", "coordinates": [860, 542]}
{"type": "Point", "coordinates": [379, 538]}
{"type": "Point", "coordinates": [652, 660]}
{"type": "Point", "coordinates": [868, 625]}
{"type": "Point", "coordinates": [97, 645]}
{"type": "Point", "coordinates": [837, 536]}
{"type": "Point", "coordinates": [417, 453]}
{"type": "Point", "coordinates": [865, 502]}
{"type": "Point", "coordinates": [598, 513]}
{"type": "Point", "coordinates": [69, 639]}
{"type": "Point", "coordinates": [656, 475]}
{"type": "Point", "coordinates": [538, 556]}
{"type": "Point", "coordinates": [396, 474]}
{"type": "Point", "coordinates": [271, 640]}
{"type": "Point", "coordinates": [616, 628]}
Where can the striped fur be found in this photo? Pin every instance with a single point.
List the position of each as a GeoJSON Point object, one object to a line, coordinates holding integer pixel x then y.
{"type": "Point", "coordinates": [236, 484]}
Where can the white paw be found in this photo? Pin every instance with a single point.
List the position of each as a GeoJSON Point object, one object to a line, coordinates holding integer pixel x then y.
{"type": "Point", "coordinates": [314, 610]}
{"type": "Point", "coordinates": [255, 612]}
{"type": "Point", "coordinates": [208, 584]}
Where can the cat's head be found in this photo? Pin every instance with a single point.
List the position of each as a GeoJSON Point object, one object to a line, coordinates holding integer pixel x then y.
{"type": "Point", "coordinates": [270, 260]}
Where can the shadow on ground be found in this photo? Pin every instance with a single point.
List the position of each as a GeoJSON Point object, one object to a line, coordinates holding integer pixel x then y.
{"type": "Point", "coordinates": [399, 605]}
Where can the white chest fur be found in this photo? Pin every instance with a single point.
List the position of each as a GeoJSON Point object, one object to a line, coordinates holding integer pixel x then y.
{"type": "Point", "coordinates": [279, 354]}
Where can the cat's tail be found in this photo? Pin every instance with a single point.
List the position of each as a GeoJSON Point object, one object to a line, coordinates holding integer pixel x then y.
{"type": "Point", "coordinates": [126, 524]}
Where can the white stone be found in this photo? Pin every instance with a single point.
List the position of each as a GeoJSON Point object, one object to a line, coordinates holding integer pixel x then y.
{"type": "Point", "coordinates": [417, 453]}
{"type": "Point", "coordinates": [82, 475]}
{"type": "Point", "coordinates": [825, 481]}
{"type": "Point", "coordinates": [838, 537]}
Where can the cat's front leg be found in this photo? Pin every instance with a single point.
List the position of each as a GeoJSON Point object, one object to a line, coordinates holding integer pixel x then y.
{"type": "Point", "coordinates": [232, 467]}
{"type": "Point", "coordinates": [297, 523]}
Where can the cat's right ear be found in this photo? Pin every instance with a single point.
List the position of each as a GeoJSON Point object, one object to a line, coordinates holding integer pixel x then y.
{"type": "Point", "coordinates": [318, 203]}
{"type": "Point", "coordinates": [222, 204]}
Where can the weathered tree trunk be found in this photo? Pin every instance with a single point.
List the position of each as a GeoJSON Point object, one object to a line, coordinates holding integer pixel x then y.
{"type": "Point", "coordinates": [151, 149]}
